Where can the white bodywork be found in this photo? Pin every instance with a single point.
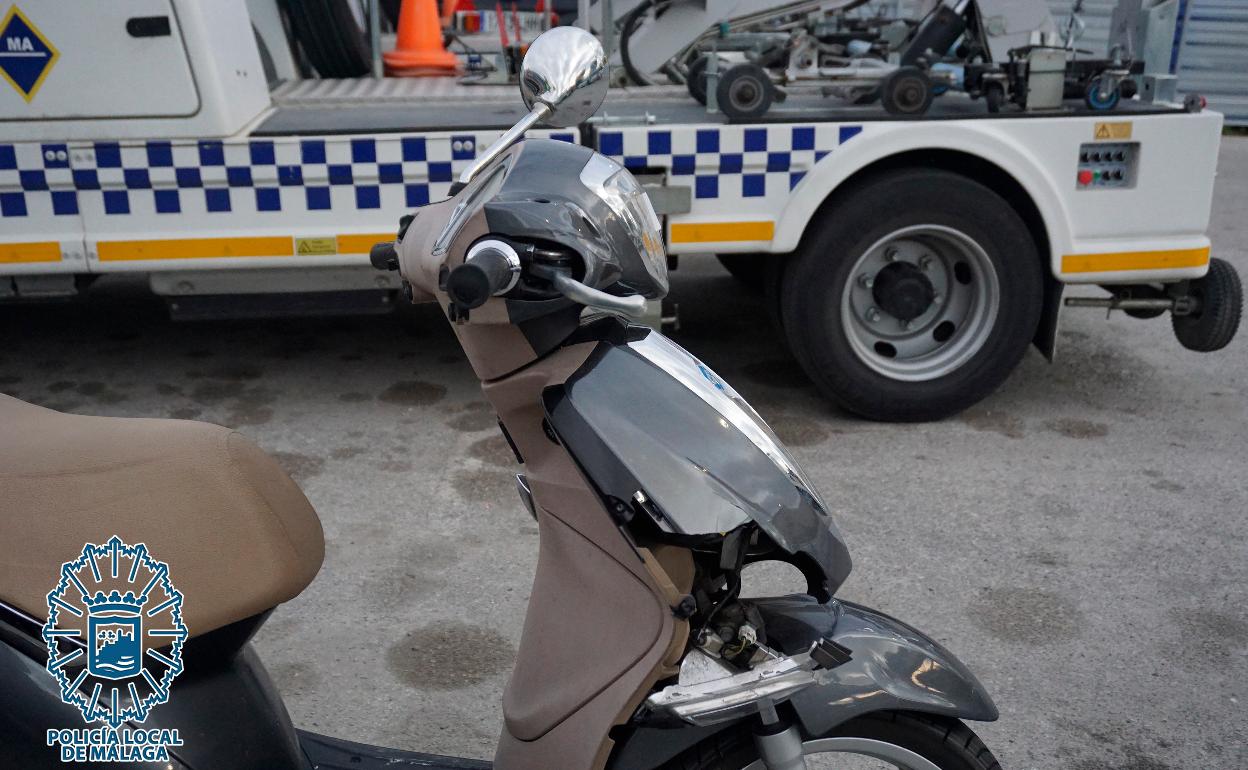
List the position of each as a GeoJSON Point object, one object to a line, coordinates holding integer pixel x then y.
{"type": "Point", "coordinates": [203, 80]}
{"type": "Point", "coordinates": [758, 205]}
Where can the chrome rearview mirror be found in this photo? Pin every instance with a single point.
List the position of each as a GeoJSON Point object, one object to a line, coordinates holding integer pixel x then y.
{"type": "Point", "coordinates": [565, 69]}
{"type": "Point", "coordinates": [563, 81]}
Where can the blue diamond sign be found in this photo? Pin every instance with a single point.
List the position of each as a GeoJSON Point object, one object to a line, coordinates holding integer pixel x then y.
{"type": "Point", "coordinates": [26, 56]}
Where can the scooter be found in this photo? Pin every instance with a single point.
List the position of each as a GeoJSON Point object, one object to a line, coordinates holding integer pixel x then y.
{"type": "Point", "coordinates": [653, 484]}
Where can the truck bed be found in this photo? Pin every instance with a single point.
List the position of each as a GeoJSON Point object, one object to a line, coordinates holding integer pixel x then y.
{"type": "Point", "coordinates": [396, 104]}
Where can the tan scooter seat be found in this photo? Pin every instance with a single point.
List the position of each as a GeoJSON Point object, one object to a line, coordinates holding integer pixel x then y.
{"type": "Point", "coordinates": [237, 533]}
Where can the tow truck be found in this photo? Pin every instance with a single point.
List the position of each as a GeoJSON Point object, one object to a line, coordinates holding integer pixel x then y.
{"type": "Point", "coordinates": [908, 263]}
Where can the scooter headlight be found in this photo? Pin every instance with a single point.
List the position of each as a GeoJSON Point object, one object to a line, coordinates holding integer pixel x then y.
{"type": "Point", "coordinates": [620, 190]}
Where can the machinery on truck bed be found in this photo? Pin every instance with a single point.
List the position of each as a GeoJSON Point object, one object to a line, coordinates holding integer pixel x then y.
{"type": "Point", "coordinates": [909, 262]}
{"type": "Point", "coordinates": [1000, 50]}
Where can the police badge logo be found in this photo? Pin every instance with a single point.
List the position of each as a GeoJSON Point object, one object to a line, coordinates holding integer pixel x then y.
{"type": "Point", "coordinates": [114, 637]}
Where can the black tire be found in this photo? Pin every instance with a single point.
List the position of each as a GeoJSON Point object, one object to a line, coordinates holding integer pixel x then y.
{"type": "Point", "coordinates": [1092, 96]}
{"type": "Point", "coordinates": [773, 281]}
{"type": "Point", "coordinates": [947, 743]}
{"type": "Point", "coordinates": [745, 91]}
{"type": "Point", "coordinates": [861, 216]}
{"type": "Point", "coordinates": [630, 26]}
{"type": "Point", "coordinates": [331, 37]}
{"type": "Point", "coordinates": [749, 269]}
{"type": "Point", "coordinates": [907, 92]}
{"type": "Point", "coordinates": [1221, 297]}
{"type": "Point", "coordinates": [695, 79]}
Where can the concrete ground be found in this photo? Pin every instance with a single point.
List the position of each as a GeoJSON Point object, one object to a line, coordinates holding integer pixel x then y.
{"type": "Point", "coordinates": [1078, 538]}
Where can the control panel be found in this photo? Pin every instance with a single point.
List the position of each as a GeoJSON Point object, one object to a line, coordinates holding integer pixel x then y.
{"type": "Point", "coordinates": [1105, 165]}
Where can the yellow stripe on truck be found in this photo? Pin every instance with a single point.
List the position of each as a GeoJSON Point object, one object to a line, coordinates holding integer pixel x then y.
{"type": "Point", "coordinates": [196, 248]}
{"type": "Point", "coordinates": [722, 232]}
{"type": "Point", "coordinates": [21, 253]}
{"type": "Point", "coordinates": [217, 248]}
{"type": "Point", "coordinates": [361, 244]}
{"type": "Point", "coordinates": [1134, 260]}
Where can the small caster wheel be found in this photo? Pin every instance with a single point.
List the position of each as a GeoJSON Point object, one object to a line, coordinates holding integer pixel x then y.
{"type": "Point", "coordinates": [994, 97]}
{"type": "Point", "coordinates": [1102, 94]}
{"type": "Point", "coordinates": [745, 91]}
{"type": "Point", "coordinates": [1220, 302]}
{"type": "Point", "coordinates": [907, 92]}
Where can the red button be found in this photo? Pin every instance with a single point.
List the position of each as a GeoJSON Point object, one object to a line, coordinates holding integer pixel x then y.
{"type": "Point", "coordinates": [1085, 178]}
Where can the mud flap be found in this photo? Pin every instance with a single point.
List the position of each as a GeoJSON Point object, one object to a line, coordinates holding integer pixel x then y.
{"type": "Point", "coordinates": [1046, 331]}
{"type": "Point", "coordinates": [894, 666]}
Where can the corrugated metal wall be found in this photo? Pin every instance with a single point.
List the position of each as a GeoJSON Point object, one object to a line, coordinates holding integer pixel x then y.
{"type": "Point", "coordinates": [1212, 55]}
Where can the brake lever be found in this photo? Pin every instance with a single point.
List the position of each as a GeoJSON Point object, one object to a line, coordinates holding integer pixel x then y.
{"type": "Point", "coordinates": [634, 306]}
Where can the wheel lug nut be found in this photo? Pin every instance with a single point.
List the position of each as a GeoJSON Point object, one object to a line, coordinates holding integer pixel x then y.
{"type": "Point", "coordinates": [866, 281]}
{"type": "Point", "coordinates": [937, 299]}
{"type": "Point", "coordinates": [890, 253]}
{"type": "Point", "coordinates": [873, 315]}
{"type": "Point", "coordinates": [925, 261]}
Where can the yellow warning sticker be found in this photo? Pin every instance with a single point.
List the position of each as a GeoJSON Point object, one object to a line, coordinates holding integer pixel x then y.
{"type": "Point", "coordinates": [1121, 130]}
{"type": "Point", "coordinates": [316, 247]}
{"type": "Point", "coordinates": [26, 56]}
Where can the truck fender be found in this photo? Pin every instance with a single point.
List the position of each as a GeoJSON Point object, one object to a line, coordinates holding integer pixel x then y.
{"type": "Point", "coordinates": [893, 665]}
{"type": "Point", "coordinates": [880, 141]}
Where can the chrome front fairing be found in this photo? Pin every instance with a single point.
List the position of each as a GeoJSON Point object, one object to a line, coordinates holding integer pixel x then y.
{"type": "Point", "coordinates": [643, 415]}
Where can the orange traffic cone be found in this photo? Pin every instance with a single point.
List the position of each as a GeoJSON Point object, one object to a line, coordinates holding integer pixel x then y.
{"type": "Point", "coordinates": [419, 50]}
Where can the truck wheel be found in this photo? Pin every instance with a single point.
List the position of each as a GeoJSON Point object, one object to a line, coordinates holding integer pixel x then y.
{"type": "Point", "coordinates": [915, 298]}
{"type": "Point", "coordinates": [907, 92]}
{"type": "Point", "coordinates": [745, 91]}
{"type": "Point", "coordinates": [1221, 298]}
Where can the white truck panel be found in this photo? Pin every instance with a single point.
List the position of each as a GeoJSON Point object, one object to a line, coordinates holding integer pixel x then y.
{"type": "Point", "coordinates": [205, 79]}
{"type": "Point", "coordinates": [756, 188]}
{"type": "Point", "coordinates": [248, 202]}
{"type": "Point", "coordinates": [129, 77]}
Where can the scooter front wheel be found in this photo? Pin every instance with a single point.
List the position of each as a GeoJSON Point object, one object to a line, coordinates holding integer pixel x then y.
{"type": "Point", "coordinates": [885, 739]}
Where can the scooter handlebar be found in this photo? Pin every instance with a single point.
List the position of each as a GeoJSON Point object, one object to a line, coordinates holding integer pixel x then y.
{"type": "Point", "coordinates": [491, 268]}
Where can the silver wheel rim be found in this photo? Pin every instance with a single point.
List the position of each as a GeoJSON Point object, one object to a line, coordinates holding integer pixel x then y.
{"type": "Point", "coordinates": [952, 329]}
{"type": "Point", "coordinates": [895, 755]}
{"type": "Point", "coordinates": [751, 87]}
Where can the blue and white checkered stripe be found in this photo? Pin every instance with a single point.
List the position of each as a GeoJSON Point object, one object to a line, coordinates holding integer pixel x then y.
{"type": "Point", "coordinates": [296, 174]}
{"type": "Point", "coordinates": [728, 162]}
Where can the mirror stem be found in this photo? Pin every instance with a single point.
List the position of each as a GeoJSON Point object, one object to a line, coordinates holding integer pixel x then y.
{"type": "Point", "coordinates": [500, 145]}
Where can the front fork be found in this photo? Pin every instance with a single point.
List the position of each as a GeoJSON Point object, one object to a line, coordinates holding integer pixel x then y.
{"type": "Point", "coordinates": [779, 741]}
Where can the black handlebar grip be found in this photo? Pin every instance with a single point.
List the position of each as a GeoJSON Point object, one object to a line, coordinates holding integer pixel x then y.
{"type": "Point", "coordinates": [487, 272]}
{"type": "Point", "coordinates": [384, 256]}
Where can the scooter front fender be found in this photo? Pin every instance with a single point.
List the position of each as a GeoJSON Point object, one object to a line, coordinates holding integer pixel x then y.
{"type": "Point", "coordinates": [894, 666]}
